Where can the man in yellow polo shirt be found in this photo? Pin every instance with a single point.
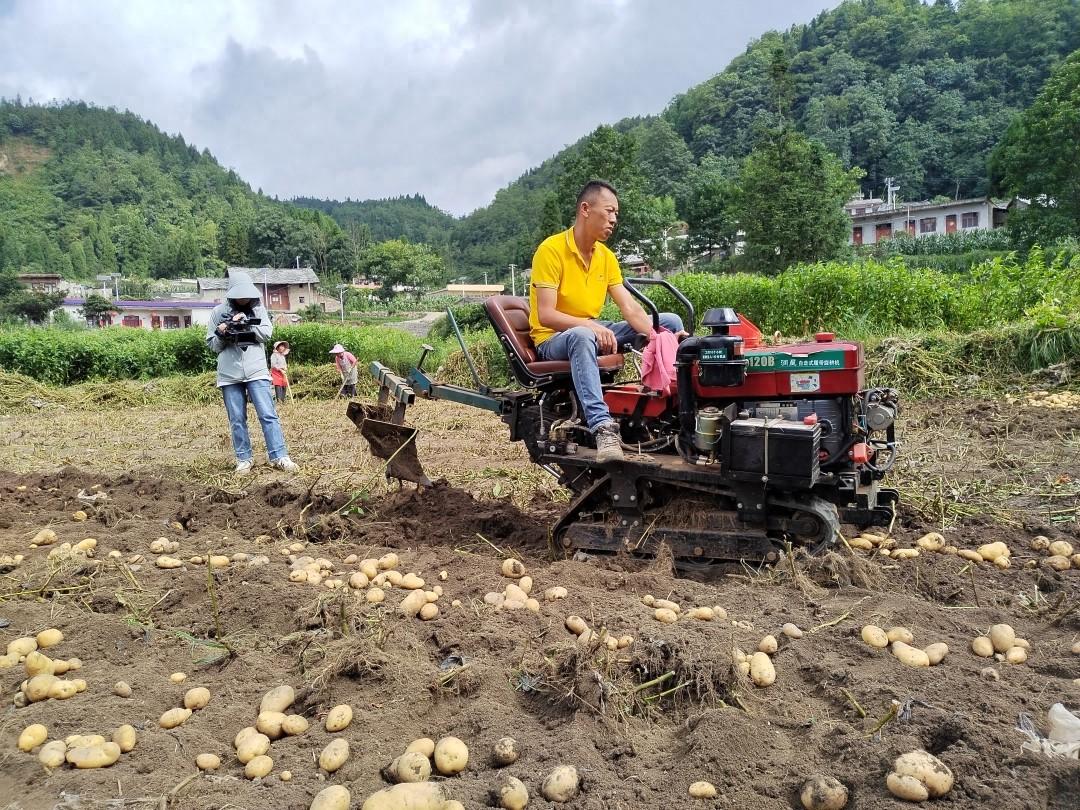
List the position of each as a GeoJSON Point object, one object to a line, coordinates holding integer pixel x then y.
{"type": "Point", "coordinates": [573, 272]}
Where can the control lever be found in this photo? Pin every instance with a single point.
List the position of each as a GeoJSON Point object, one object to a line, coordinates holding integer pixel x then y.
{"type": "Point", "coordinates": [636, 344]}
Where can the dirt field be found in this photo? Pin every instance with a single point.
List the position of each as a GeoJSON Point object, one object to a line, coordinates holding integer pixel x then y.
{"type": "Point", "coordinates": [976, 471]}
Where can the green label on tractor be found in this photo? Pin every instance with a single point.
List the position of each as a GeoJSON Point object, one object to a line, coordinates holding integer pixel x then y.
{"type": "Point", "coordinates": [782, 361]}
{"type": "Point", "coordinates": [713, 355]}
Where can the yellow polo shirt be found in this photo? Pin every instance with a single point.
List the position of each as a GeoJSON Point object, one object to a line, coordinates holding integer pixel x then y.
{"type": "Point", "coordinates": [558, 265]}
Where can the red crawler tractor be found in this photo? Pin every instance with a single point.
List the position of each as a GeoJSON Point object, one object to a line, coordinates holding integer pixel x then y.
{"type": "Point", "coordinates": [750, 448]}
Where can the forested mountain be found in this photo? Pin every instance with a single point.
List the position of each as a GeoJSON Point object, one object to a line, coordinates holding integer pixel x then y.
{"type": "Point", "coordinates": [87, 191]}
{"type": "Point", "coordinates": [410, 217]}
{"type": "Point", "coordinates": [917, 91]}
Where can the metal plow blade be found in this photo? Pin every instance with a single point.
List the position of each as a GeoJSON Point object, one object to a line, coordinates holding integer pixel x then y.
{"type": "Point", "coordinates": [390, 440]}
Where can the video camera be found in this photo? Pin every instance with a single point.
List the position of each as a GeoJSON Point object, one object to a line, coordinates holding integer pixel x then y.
{"type": "Point", "coordinates": [242, 331]}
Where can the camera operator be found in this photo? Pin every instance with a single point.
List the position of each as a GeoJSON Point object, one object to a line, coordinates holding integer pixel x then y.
{"type": "Point", "coordinates": [237, 331]}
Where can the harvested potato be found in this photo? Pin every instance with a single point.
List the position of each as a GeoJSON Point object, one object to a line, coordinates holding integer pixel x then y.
{"type": "Point", "coordinates": [411, 604]}
{"type": "Point", "coordinates": [900, 634]}
{"type": "Point", "coordinates": [648, 600]}
{"type": "Point", "coordinates": [208, 762]}
{"type": "Point", "coordinates": [1016, 655]}
{"type": "Point", "coordinates": [22, 646]}
{"type": "Point", "coordinates": [375, 595]}
{"type": "Point", "coordinates": [451, 756]}
{"type": "Point", "coordinates": [576, 625]}
{"type": "Point", "coordinates": [44, 537]}
{"type": "Point", "coordinates": [1002, 637]}
{"type": "Point", "coordinates": [178, 677]}
{"type": "Point", "coordinates": [429, 611]}
{"type": "Point", "coordinates": [903, 553]}
{"type": "Point", "coordinates": [1023, 642]}
{"type": "Point", "coordinates": [861, 543]}
{"type": "Point", "coordinates": [875, 636]}
{"type": "Point", "coordinates": [166, 562]}
{"type": "Point", "coordinates": [791, 630]}
{"type": "Point", "coordinates": [269, 723]}
{"type": "Point", "coordinates": [665, 616]}
{"type": "Point", "coordinates": [526, 584]}
{"type": "Point", "coordinates": [927, 769]}
{"type": "Point", "coordinates": [277, 699]}
{"type": "Point", "coordinates": [982, 647]}
{"type": "Point", "coordinates": [334, 797]}
{"type": "Point", "coordinates": [410, 796]}
{"type": "Point", "coordinates": [906, 787]}
{"type": "Point", "coordinates": [412, 766]}
{"type": "Point", "coordinates": [1058, 563]}
{"type": "Point", "coordinates": [561, 785]}
{"type": "Point", "coordinates": [252, 745]}
{"type": "Point", "coordinates": [174, 717]}
{"type": "Point", "coordinates": [37, 688]}
{"type": "Point", "coordinates": [49, 638]}
{"type": "Point", "coordinates": [393, 577]}
{"type": "Point", "coordinates": [259, 767]}
{"type": "Point", "coordinates": [424, 745]}
{"type": "Point", "coordinates": [991, 551]}
{"type": "Point", "coordinates": [411, 582]}
{"type": "Point", "coordinates": [53, 754]}
{"type": "Point", "coordinates": [702, 790]}
{"type": "Point", "coordinates": [125, 737]}
{"type": "Point", "coordinates": [334, 755]}
{"type": "Point", "coordinates": [667, 604]}
{"type": "Point", "coordinates": [101, 755]}
{"type": "Point", "coordinates": [387, 562]}
{"type": "Point", "coordinates": [510, 793]}
{"type": "Point", "coordinates": [339, 717]}
{"type": "Point", "coordinates": [121, 689]}
{"type": "Point", "coordinates": [83, 740]}
{"type": "Point", "coordinates": [32, 736]}
{"type": "Point", "coordinates": [1002, 563]}
{"type": "Point", "coordinates": [359, 581]}
{"type": "Point", "coordinates": [556, 592]}
{"type": "Point", "coordinates": [285, 776]}
{"type": "Point", "coordinates": [1076, 648]}
{"type": "Point", "coordinates": [969, 554]}
{"type": "Point", "coordinates": [936, 652]}
{"type": "Point", "coordinates": [505, 752]}
{"type": "Point", "coordinates": [823, 793]}
{"type": "Point", "coordinates": [196, 698]}
{"type": "Point", "coordinates": [911, 656]}
{"type": "Point", "coordinates": [705, 614]}
{"type": "Point", "coordinates": [625, 641]}
{"type": "Point", "coordinates": [294, 724]}
{"type": "Point", "coordinates": [931, 542]}
{"type": "Point", "coordinates": [513, 568]}
{"type": "Point", "coordinates": [8, 660]}
{"type": "Point", "coordinates": [62, 690]}
{"type": "Point", "coordinates": [1059, 548]}
{"type": "Point", "coordinates": [762, 672]}
{"type": "Point", "coordinates": [37, 663]}
{"type": "Point", "coordinates": [1040, 543]}
{"type": "Point", "coordinates": [767, 645]}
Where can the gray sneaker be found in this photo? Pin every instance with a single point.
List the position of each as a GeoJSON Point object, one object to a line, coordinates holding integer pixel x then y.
{"type": "Point", "coordinates": [607, 443]}
{"type": "Point", "coordinates": [285, 463]}
{"type": "Point", "coordinates": [243, 467]}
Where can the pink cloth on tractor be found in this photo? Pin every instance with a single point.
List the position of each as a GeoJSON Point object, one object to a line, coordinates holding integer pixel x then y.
{"type": "Point", "coordinates": [658, 360]}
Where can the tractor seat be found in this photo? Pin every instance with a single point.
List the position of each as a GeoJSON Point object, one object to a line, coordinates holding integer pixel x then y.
{"type": "Point", "coordinates": [509, 316]}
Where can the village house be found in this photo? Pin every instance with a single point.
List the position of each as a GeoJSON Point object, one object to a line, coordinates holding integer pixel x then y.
{"type": "Point", "coordinates": [471, 292]}
{"type": "Point", "coordinates": [150, 314]}
{"type": "Point", "coordinates": [287, 289]}
{"type": "Point", "coordinates": [42, 282]}
{"type": "Point", "coordinates": [873, 219]}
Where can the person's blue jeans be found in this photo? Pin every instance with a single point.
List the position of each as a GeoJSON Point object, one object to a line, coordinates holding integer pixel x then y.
{"type": "Point", "coordinates": [258, 391]}
{"type": "Point", "coordinates": [578, 345]}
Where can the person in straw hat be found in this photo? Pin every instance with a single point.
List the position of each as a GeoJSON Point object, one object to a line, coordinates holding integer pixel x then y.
{"type": "Point", "coordinates": [279, 370]}
{"type": "Point", "coordinates": [347, 367]}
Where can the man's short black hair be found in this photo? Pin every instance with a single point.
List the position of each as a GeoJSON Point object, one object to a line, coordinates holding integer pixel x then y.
{"type": "Point", "coordinates": [591, 188]}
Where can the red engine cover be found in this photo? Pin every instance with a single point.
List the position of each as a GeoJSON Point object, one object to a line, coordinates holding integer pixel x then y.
{"type": "Point", "coordinates": [827, 366]}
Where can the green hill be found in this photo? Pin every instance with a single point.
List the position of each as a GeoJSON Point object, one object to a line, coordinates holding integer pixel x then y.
{"type": "Point", "coordinates": [920, 92]}
{"type": "Point", "coordinates": [86, 191]}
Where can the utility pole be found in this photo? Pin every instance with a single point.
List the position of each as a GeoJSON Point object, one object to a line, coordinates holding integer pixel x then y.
{"type": "Point", "coordinates": [341, 301]}
{"type": "Point", "coordinates": [513, 280]}
{"type": "Point", "coordinates": [485, 278]}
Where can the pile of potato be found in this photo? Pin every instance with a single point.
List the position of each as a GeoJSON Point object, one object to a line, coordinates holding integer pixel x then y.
{"type": "Point", "coordinates": [1002, 644]}
{"type": "Point", "coordinates": [918, 776]}
{"type": "Point", "coordinates": [899, 641]}
{"type": "Point", "coordinates": [758, 665]}
{"type": "Point", "coordinates": [667, 612]}
{"type": "Point", "coordinates": [78, 750]}
{"type": "Point", "coordinates": [1059, 554]}
{"type": "Point", "coordinates": [586, 635]}
{"type": "Point", "coordinates": [517, 595]}
{"type": "Point", "coordinates": [1061, 401]}
{"type": "Point", "coordinates": [42, 681]}
{"type": "Point", "coordinates": [997, 553]}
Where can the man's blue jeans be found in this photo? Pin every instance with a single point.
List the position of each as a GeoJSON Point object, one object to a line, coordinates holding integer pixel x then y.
{"type": "Point", "coordinates": [578, 345]}
{"type": "Point", "coordinates": [258, 391]}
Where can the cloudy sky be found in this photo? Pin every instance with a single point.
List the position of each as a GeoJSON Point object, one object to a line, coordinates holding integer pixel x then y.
{"type": "Point", "coordinates": [373, 98]}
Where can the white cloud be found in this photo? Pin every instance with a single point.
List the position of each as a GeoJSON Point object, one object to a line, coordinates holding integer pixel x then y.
{"type": "Point", "coordinates": [330, 98]}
